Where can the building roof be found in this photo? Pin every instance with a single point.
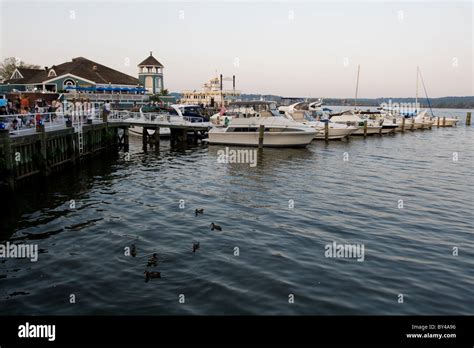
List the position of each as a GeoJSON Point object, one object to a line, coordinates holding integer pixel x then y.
{"type": "Point", "coordinates": [151, 61]}
{"type": "Point", "coordinates": [80, 67]}
{"type": "Point", "coordinates": [27, 73]}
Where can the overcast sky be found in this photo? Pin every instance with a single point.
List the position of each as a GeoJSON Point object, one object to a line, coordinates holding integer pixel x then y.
{"type": "Point", "coordinates": [275, 47]}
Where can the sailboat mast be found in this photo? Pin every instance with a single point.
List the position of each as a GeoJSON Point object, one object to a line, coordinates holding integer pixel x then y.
{"type": "Point", "coordinates": [416, 99]}
{"type": "Point", "coordinates": [357, 86]}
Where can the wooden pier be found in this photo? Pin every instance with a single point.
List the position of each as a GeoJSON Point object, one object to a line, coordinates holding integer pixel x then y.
{"type": "Point", "coordinates": [42, 150]}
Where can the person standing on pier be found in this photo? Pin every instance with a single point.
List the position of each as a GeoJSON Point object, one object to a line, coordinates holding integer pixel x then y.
{"type": "Point", "coordinates": [24, 102]}
{"type": "Point", "coordinates": [107, 108]}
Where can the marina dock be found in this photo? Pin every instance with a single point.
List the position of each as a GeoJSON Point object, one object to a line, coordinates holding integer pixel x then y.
{"type": "Point", "coordinates": [51, 146]}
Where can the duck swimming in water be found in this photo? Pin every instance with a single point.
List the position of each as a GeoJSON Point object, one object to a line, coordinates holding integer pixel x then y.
{"type": "Point", "coordinates": [149, 275]}
{"type": "Point", "coordinates": [133, 250]}
{"type": "Point", "coordinates": [152, 261]}
{"type": "Point", "coordinates": [195, 247]}
{"type": "Point", "coordinates": [198, 211]}
{"type": "Point", "coordinates": [215, 227]}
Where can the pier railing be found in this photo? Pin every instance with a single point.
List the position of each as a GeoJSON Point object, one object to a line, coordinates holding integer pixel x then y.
{"type": "Point", "coordinates": [154, 118]}
{"type": "Point", "coordinates": [26, 123]}
{"type": "Point", "coordinates": [20, 124]}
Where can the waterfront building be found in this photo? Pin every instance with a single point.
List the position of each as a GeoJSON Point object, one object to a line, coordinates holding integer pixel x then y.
{"type": "Point", "coordinates": [150, 74]}
{"type": "Point", "coordinates": [82, 78]}
{"type": "Point", "coordinates": [79, 72]}
{"type": "Point", "coordinates": [211, 94]}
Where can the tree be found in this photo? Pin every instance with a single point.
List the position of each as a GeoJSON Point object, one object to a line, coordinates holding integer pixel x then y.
{"type": "Point", "coordinates": [8, 66]}
{"type": "Point", "coordinates": [156, 97]}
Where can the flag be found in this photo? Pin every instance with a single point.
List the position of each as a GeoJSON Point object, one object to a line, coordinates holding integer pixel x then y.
{"type": "Point", "coordinates": [223, 110]}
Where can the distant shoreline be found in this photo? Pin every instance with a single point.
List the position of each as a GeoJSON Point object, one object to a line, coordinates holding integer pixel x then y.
{"type": "Point", "coordinates": [466, 102]}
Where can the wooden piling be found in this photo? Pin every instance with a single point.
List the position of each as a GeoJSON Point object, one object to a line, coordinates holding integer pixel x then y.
{"type": "Point", "coordinates": [184, 135]}
{"type": "Point", "coordinates": [437, 122]}
{"type": "Point", "coordinates": [7, 151]}
{"type": "Point", "coordinates": [468, 119]}
{"type": "Point", "coordinates": [365, 128]}
{"type": "Point", "coordinates": [403, 124]}
{"type": "Point", "coordinates": [261, 133]}
{"type": "Point", "coordinates": [444, 121]}
{"type": "Point", "coordinates": [45, 168]}
{"type": "Point", "coordinates": [326, 131]}
{"type": "Point", "coordinates": [157, 139]}
{"type": "Point", "coordinates": [144, 138]}
{"type": "Point", "coordinates": [125, 139]}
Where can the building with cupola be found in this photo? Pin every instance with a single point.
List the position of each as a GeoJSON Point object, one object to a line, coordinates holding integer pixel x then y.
{"type": "Point", "coordinates": [85, 75]}
{"type": "Point", "coordinates": [150, 74]}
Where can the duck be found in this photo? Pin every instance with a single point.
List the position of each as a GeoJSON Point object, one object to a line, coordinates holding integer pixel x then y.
{"type": "Point", "coordinates": [153, 260]}
{"type": "Point", "coordinates": [195, 247]}
{"type": "Point", "coordinates": [149, 275]}
{"type": "Point", "coordinates": [215, 227]}
{"type": "Point", "coordinates": [133, 250]}
{"type": "Point", "coordinates": [199, 211]}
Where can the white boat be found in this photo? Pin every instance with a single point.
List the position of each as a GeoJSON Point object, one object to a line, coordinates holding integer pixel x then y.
{"type": "Point", "coordinates": [303, 113]}
{"type": "Point", "coordinates": [243, 125]}
{"type": "Point", "coordinates": [191, 113]}
{"type": "Point", "coordinates": [444, 121]}
{"type": "Point", "coordinates": [350, 118]}
{"type": "Point", "coordinates": [424, 119]}
{"type": "Point", "coordinates": [388, 126]}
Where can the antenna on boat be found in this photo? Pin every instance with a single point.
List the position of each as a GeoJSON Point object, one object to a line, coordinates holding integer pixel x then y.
{"type": "Point", "coordinates": [357, 86]}
{"type": "Point", "coordinates": [222, 99]}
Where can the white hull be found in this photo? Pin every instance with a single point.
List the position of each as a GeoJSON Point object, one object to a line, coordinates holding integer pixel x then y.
{"type": "Point", "coordinates": [334, 133]}
{"type": "Point", "coordinates": [448, 122]}
{"type": "Point", "coordinates": [271, 139]}
{"type": "Point", "coordinates": [411, 126]}
{"type": "Point", "coordinates": [370, 130]}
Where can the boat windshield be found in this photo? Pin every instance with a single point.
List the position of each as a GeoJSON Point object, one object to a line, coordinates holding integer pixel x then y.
{"type": "Point", "coordinates": [194, 111]}
{"type": "Point", "coordinates": [252, 109]}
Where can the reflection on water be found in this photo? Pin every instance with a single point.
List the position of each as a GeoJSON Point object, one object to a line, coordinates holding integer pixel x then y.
{"type": "Point", "coordinates": [279, 215]}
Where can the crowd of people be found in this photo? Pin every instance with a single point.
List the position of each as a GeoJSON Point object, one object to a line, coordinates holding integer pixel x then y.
{"type": "Point", "coordinates": [21, 113]}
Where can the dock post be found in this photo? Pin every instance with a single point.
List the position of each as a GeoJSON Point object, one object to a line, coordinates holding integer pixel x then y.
{"type": "Point", "coordinates": [444, 121]}
{"type": "Point", "coordinates": [46, 170]}
{"type": "Point", "coordinates": [468, 119]}
{"type": "Point", "coordinates": [403, 125]}
{"type": "Point", "coordinates": [195, 137]}
{"type": "Point", "coordinates": [144, 138]}
{"type": "Point", "coordinates": [7, 150]}
{"type": "Point", "coordinates": [365, 128]}
{"type": "Point", "coordinates": [326, 131]}
{"type": "Point", "coordinates": [261, 132]}
{"type": "Point", "coordinates": [125, 139]}
{"type": "Point", "coordinates": [157, 139]}
{"type": "Point", "coordinates": [437, 122]}
{"type": "Point", "coordinates": [412, 127]}
{"type": "Point", "coordinates": [184, 136]}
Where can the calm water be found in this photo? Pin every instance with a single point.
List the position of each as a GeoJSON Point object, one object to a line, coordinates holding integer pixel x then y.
{"type": "Point", "coordinates": [407, 251]}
